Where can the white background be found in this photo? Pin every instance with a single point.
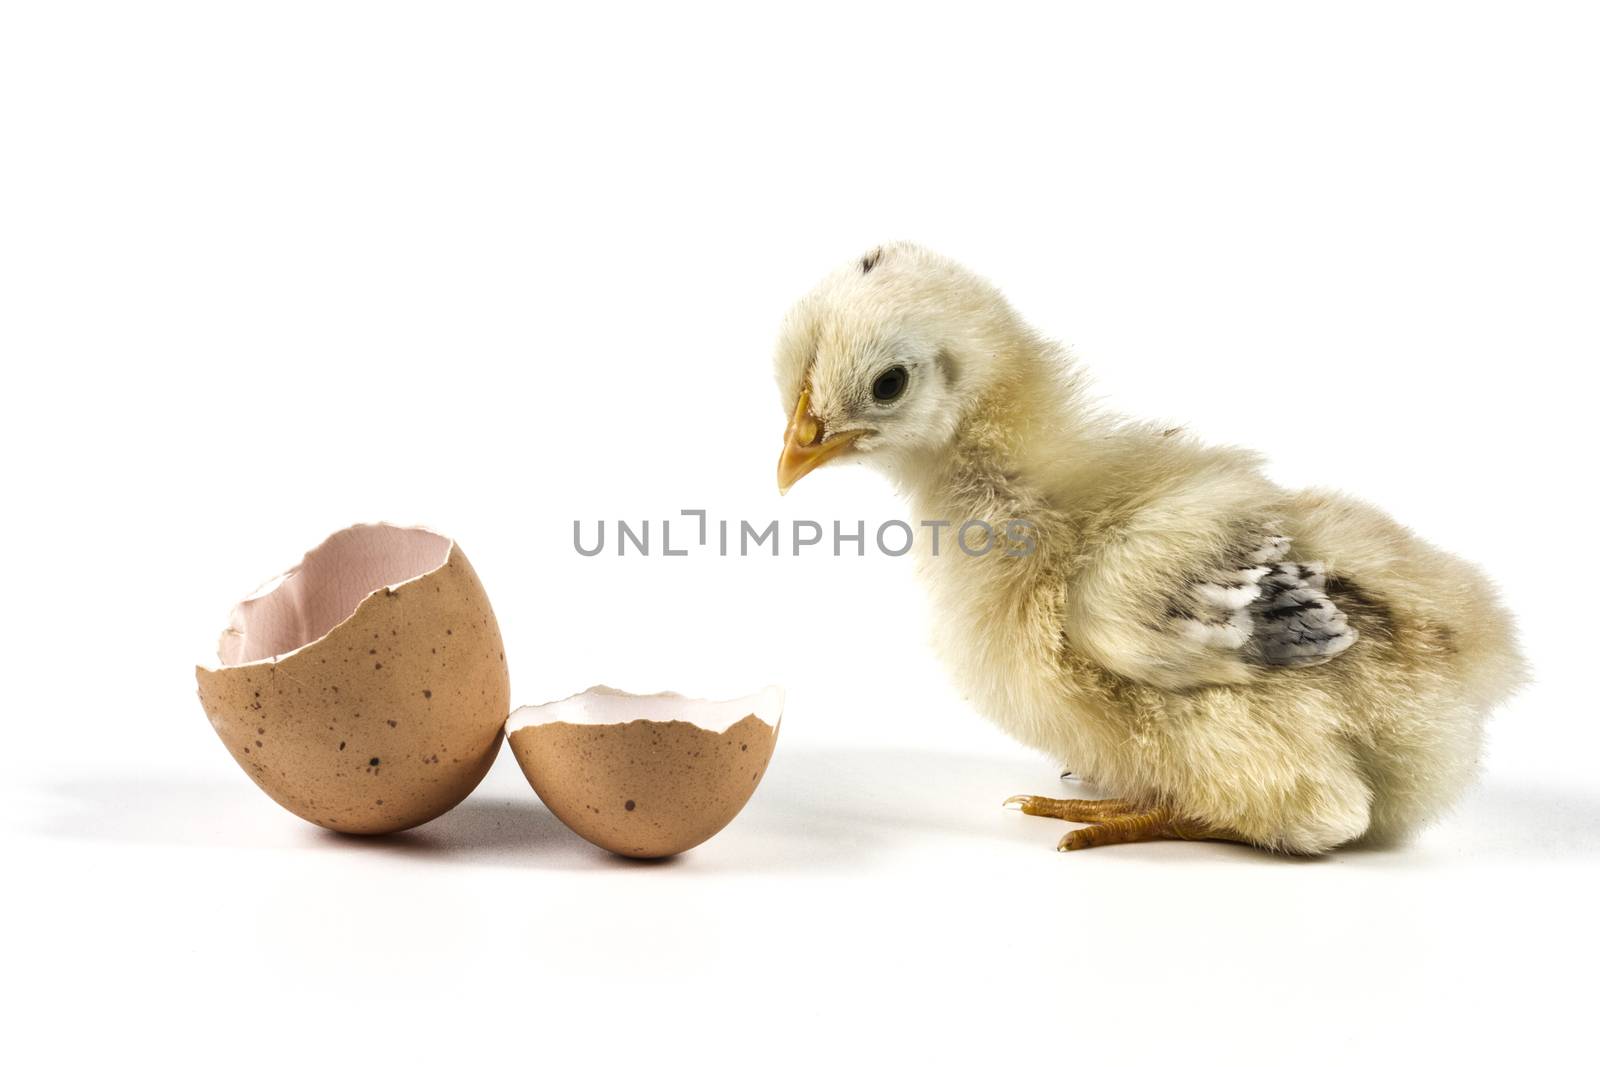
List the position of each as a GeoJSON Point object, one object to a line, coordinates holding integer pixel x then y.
{"type": "Point", "coordinates": [268, 271]}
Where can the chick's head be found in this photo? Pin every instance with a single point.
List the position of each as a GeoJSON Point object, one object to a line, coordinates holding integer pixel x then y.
{"type": "Point", "coordinates": [883, 358]}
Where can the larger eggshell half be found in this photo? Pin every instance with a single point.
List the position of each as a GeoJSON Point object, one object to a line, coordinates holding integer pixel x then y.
{"type": "Point", "coordinates": [646, 776]}
{"type": "Point", "coordinates": [366, 690]}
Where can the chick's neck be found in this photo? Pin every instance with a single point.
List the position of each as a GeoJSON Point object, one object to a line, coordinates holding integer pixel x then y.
{"type": "Point", "coordinates": [1024, 438]}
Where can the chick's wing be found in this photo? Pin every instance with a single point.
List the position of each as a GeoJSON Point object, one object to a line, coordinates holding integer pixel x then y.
{"type": "Point", "coordinates": [1180, 605]}
{"type": "Point", "coordinates": [1263, 606]}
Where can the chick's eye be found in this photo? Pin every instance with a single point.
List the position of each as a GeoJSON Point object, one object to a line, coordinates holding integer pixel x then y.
{"type": "Point", "coordinates": [889, 385]}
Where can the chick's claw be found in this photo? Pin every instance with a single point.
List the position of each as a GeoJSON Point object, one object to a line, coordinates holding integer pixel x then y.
{"type": "Point", "coordinates": [1116, 822]}
{"type": "Point", "coordinates": [1153, 825]}
{"type": "Point", "coordinates": [1090, 811]}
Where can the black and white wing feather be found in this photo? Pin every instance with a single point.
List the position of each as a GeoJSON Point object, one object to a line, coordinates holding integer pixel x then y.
{"type": "Point", "coordinates": [1268, 609]}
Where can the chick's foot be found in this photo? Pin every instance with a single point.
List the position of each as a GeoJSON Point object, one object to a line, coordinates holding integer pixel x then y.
{"type": "Point", "coordinates": [1116, 822]}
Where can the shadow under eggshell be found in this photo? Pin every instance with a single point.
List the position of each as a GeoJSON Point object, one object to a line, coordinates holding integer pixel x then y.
{"type": "Point", "coordinates": [645, 788]}
{"type": "Point", "coordinates": [386, 721]}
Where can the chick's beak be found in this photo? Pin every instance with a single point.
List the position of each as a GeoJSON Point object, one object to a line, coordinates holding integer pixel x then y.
{"type": "Point", "coordinates": [804, 448]}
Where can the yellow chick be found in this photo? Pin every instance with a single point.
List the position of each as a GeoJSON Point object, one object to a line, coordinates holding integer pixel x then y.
{"type": "Point", "coordinates": [1229, 659]}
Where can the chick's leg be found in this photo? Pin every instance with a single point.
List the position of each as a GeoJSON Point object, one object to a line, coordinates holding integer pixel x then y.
{"type": "Point", "coordinates": [1116, 822]}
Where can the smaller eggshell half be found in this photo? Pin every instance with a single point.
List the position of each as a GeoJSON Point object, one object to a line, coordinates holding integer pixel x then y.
{"type": "Point", "coordinates": [646, 776]}
{"type": "Point", "coordinates": [365, 690]}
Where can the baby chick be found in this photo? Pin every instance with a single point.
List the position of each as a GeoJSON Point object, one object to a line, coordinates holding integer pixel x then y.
{"type": "Point", "coordinates": [1230, 659]}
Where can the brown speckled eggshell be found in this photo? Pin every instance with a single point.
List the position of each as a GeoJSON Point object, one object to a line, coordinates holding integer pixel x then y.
{"type": "Point", "coordinates": [645, 789]}
{"type": "Point", "coordinates": [389, 720]}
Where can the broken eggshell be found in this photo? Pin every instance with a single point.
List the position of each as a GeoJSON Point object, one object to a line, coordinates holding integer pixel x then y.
{"type": "Point", "coordinates": [366, 689]}
{"type": "Point", "coordinates": [646, 776]}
